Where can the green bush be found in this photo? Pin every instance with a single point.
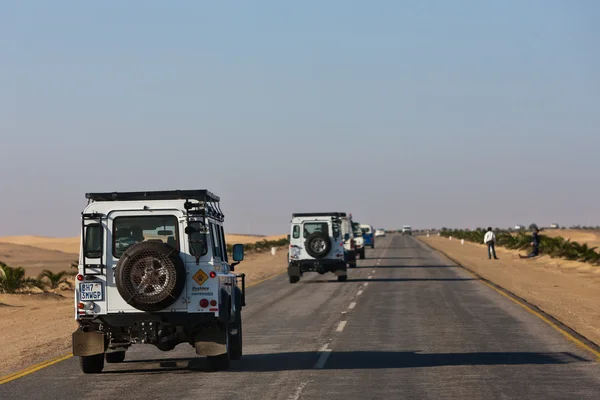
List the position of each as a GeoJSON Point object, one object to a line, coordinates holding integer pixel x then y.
{"type": "Point", "coordinates": [13, 279]}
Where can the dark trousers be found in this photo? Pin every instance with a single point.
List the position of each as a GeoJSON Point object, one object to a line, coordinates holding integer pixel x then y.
{"type": "Point", "coordinates": [491, 250]}
{"type": "Point", "coordinates": [534, 253]}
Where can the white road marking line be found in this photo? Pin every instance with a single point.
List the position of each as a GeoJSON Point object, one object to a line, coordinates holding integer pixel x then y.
{"type": "Point", "coordinates": [360, 292]}
{"type": "Point", "coordinates": [341, 326]}
{"type": "Point", "coordinates": [369, 277]}
{"type": "Point", "coordinates": [324, 348]}
{"type": "Point", "coordinates": [325, 353]}
{"type": "Point", "coordinates": [366, 284]}
{"type": "Point", "coordinates": [373, 271]}
{"type": "Point", "coordinates": [352, 305]}
{"type": "Point", "coordinates": [298, 392]}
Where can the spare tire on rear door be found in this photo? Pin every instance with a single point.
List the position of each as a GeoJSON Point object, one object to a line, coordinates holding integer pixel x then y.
{"type": "Point", "coordinates": [317, 244]}
{"type": "Point", "coordinates": [150, 276]}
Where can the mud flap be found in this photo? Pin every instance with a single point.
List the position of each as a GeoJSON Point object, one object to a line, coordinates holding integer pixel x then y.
{"type": "Point", "coordinates": [293, 270]}
{"type": "Point", "coordinates": [211, 341]}
{"type": "Point", "coordinates": [87, 343]}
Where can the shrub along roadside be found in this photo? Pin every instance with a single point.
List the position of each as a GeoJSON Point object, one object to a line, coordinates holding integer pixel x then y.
{"type": "Point", "coordinates": [13, 279]}
{"type": "Point", "coordinates": [261, 245]}
{"type": "Point", "coordinates": [555, 247]}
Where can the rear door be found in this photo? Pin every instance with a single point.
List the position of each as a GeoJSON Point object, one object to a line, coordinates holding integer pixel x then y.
{"type": "Point", "coordinates": [131, 227]}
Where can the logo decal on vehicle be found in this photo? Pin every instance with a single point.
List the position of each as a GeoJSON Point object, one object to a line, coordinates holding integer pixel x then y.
{"type": "Point", "coordinates": [200, 277]}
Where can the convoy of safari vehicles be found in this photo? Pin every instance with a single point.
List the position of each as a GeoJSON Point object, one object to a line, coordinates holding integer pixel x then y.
{"type": "Point", "coordinates": [154, 269]}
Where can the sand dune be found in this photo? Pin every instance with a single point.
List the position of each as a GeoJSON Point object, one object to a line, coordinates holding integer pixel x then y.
{"type": "Point", "coordinates": [35, 259]}
{"type": "Point", "coordinates": [66, 245]}
{"type": "Point", "coordinates": [592, 238]}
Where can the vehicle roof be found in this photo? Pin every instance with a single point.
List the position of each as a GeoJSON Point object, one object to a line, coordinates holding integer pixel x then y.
{"type": "Point", "coordinates": [197, 194]}
{"type": "Point", "coordinates": [320, 214]}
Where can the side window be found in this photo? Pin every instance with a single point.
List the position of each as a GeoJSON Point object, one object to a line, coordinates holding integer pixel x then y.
{"type": "Point", "coordinates": [336, 230]}
{"type": "Point", "coordinates": [197, 239]}
{"type": "Point", "coordinates": [93, 241]}
{"type": "Point", "coordinates": [296, 232]}
{"type": "Point", "coordinates": [223, 244]}
{"type": "Point", "coordinates": [214, 235]}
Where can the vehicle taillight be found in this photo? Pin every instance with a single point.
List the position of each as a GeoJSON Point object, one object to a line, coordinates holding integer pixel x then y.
{"type": "Point", "coordinates": [213, 303]}
{"type": "Point", "coordinates": [79, 277]}
{"type": "Point", "coordinates": [203, 303]}
{"type": "Point", "coordinates": [212, 274]}
{"type": "Point", "coordinates": [81, 306]}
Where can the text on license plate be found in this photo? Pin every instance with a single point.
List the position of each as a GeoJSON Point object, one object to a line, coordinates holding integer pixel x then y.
{"type": "Point", "coordinates": [90, 291]}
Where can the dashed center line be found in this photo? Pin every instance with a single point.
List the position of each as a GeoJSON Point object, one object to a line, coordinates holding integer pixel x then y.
{"type": "Point", "coordinates": [298, 393]}
{"type": "Point", "coordinates": [352, 305]}
{"type": "Point", "coordinates": [325, 353]}
{"type": "Point", "coordinates": [369, 277]}
{"type": "Point", "coordinates": [341, 326]}
{"type": "Point", "coordinates": [360, 292]}
{"type": "Point", "coordinates": [373, 271]}
{"type": "Point", "coordinates": [366, 284]}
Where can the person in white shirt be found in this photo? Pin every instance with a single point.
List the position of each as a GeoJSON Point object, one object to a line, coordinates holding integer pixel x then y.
{"type": "Point", "coordinates": [490, 240]}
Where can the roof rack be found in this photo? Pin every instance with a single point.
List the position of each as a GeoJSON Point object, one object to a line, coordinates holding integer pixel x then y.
{"type": "Point", "coordinates": [200, 195]}
{"type": "Point", "coordinates": [320, 214]}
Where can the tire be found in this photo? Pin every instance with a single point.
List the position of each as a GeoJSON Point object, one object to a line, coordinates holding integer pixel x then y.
{"type": "Point", "coordinates": [352, 264]}
{"type": "Point", "coordinates": [236, 341]}
{"type": "Point", "coordinates": [362, 254]}
{"type": "Point", "coordinates": [115, 357]}
{"type": "Point", "coordinates": [221, 362]}
{"type": "Point", "coordinates": [156, 264]}
{"type": "Point", "coordinates": [317, 244]}
{"type": "Point", "coordinates": [92, 364]}
{"type": "Point", "coordinates": [294, 279]}
{"type": "Point", "coordinates": [342, 278]}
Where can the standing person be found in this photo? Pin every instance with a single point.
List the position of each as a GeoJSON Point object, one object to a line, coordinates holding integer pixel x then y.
{"type": "Point", "coordinates": [535, 243]}
{"type": "Point", "coordinates": [490, 240]}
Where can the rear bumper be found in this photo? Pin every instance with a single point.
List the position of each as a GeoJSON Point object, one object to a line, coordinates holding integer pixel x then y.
{"type": "Point", "coordinates": [296, 268]}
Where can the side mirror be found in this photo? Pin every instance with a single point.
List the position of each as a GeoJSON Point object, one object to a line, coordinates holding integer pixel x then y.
{"type": "Point", "coordinates": [238, 252]}
{"type": "Point", "coordinates": [288, 237]}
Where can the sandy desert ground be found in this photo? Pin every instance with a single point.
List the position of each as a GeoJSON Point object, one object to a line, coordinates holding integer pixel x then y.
{"type": "Point", "coordinates": [592, 238]}
{"type": "Point", "coordinates": [52, 314]}
{"type": "Point", "coordinates": [567, 290]}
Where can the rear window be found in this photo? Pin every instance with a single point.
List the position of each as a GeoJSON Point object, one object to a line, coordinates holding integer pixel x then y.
{"type": "Point", "coordinates": [311, 227]}
{"type": "Point", "coordinates": [128, 231]}
{"type": "Point", "coordinates": [366, 229]}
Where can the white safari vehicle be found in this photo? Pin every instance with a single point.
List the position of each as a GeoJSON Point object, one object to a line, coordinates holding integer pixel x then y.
{"type": "Point", "coordinates": [317, 244]}
{"type": "Point", "coordinates": [153, 268]}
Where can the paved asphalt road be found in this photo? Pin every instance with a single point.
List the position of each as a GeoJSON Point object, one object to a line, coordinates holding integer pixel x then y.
{"type": "Point", "coordinates": [407, 324]}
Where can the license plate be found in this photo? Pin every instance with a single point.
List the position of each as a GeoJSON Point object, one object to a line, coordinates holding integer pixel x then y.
{"type": "Point", "coordinates": [90, 291]}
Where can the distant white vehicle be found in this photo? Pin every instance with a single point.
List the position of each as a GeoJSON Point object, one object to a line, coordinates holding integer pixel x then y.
{"type": "Point", "coordinates": [406, 230]}
{"type": "Point", "coordinates": [379, 232]}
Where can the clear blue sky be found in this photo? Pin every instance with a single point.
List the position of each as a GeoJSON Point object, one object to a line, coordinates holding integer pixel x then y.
{"type": "Point", "coordinates": [438, 113]}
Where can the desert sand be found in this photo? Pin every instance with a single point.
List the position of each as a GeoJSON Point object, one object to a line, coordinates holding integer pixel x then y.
{"type": "Point", "coordinates": [53, 316]}
{"type": "Point", "coordinates": [567, 290]}
{"type": "Point", "coordinates": [592, 238]}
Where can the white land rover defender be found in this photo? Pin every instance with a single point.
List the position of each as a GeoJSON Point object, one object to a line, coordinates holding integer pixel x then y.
{"type": "Point", "coordinates": [317, 244]}
{"type": "Point", "coordinates": [153, 268]}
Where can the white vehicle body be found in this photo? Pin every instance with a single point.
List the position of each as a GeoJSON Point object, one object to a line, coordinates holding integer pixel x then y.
{"type": "Point", "coordinates": [349, 240]}
{"type": "Point", "coordinates": [153, 268]}
{"type": "Point", "coordinates": [406, 230]}
{"type": "Point", "coordinates": [358, 240]}
{"type": "Point", "coordinates": [316, 244]}
{"type": "Point", "coordinates": [379, 232]}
